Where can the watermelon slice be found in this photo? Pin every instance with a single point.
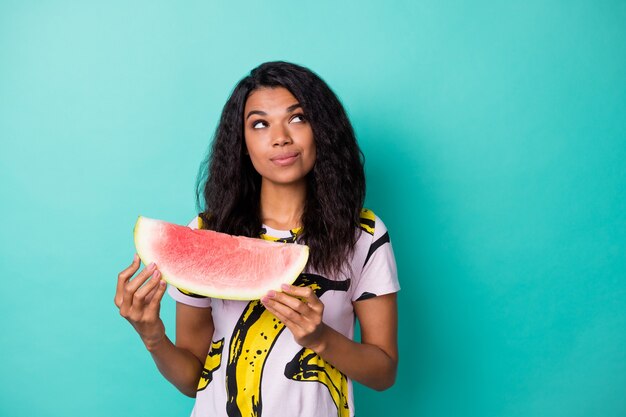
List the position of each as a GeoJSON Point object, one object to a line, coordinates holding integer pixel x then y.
{"type": "Point", "coordinates": [216, 264]}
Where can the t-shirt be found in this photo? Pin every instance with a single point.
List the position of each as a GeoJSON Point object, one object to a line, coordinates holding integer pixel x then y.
{"type": "Point", "coordinates": [255, 368]}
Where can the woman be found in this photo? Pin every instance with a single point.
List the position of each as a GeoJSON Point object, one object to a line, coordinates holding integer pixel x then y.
{"type": "Point", "coordinates": [285, 165]}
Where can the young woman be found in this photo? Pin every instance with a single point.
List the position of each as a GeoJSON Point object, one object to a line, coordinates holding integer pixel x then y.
{"type": "Point", "coordinates": [285, 166]}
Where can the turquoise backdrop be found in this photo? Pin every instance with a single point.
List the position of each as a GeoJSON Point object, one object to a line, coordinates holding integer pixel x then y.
{"type": "Point", "coordinates": [495, 143]}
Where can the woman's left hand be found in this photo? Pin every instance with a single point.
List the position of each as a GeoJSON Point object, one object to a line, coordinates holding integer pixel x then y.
{"type": "Point", "coordinates": [301, 311]}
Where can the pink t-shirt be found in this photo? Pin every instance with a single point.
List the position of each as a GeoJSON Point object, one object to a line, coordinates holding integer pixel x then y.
{"type": "Point", "coordinates": [255, 367]}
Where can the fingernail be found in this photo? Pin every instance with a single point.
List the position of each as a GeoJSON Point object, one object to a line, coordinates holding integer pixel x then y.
{"type": "Point", "coordinates": [152, 265]}
{"type": "Point", "coordinates": [157, 274]}
{"type": "Point", "coordinates": [264, 300]}
{"type": "Point", "coordinates": [271, 293]}
{"type": "Point", "coordinates": [285, 286]}
{"type": "Point", "coordinates": [162, 283]}
{"type": "Point", "coordinates": [135, 258]}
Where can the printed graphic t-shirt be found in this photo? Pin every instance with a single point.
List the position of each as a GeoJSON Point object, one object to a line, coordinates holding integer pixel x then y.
{"type": "Point", "coordinates": [255, 368]}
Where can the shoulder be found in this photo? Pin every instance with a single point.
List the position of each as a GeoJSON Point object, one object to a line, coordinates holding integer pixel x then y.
{"type": "Point", "coordinates": [372, 225]}
{"type": "Point", "coordinates": [373, 234]}
{"type": "Point", "coordinates": [198, 222]}
{"type": "Point", "coordinates": [373, 266]}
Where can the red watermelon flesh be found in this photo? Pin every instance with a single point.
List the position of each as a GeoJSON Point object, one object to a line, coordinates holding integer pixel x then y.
{"type": "Point", "coordinates": [216, 264]}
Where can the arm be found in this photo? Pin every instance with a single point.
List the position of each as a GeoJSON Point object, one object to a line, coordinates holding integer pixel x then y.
{"type": "Point", "coordinates": [139, 301]}
{"type": "Point", "coordinates": [372, 362]}
{"type": "Point", "coordinates": [182, 363]}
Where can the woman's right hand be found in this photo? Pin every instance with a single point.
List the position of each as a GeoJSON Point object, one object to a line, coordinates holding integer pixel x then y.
{"type": "Point", "coordinates": [139, 301]}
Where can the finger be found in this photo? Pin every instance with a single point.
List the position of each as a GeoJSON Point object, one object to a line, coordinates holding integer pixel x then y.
{"type": "Point", "coordinates": [155, 302]}
{"type": "Point", "coordinates": [123, 277]}
{"type": "Point", "coordinates": [141, 278]}
{"type": "Point", "coordinates": [303, 292]}
{"type": "Point", "coordinates": [306, 293]}
{"type": "Point", "coordinates": [282, 317]}
{"type": "Point", "coordinates": [283, 312]}
{"type": "Point", "coordinates": [142, 293]}
{"type": "Point", "coordinates": [149, 296]}
{"type": "Point", "coordinates": [291, 302]}
{"type": "Point", "coordinates": [132, 286]}
{"type": "Point", "coordinates": [155, 287]}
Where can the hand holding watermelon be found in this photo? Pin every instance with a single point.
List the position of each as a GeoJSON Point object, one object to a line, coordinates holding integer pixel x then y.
{"type": "Point", "coordinates": [301, 311]}
{"type": "Point", "coordinates": [139, 301]}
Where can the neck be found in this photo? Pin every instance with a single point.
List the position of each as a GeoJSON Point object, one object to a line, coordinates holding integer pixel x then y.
{"type": "Point", "coordinates": [282, 205]}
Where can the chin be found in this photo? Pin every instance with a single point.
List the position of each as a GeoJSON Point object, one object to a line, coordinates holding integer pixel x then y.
{"type": "Point", "coordinates": [286, 180]}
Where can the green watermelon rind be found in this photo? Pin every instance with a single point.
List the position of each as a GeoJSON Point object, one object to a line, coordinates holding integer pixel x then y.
{"type": "Point", "coordinates": [288, 277]}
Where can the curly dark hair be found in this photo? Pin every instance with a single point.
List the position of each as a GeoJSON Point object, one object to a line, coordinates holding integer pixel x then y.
{"type": "Point", "coordinates": [229, 187]}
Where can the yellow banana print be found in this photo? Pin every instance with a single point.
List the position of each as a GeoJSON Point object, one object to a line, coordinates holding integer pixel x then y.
{"type": "Point", "coordinates": [255, 334]}
{"type": "Point", "coordinates": [253, 338]}
{"type": "Point", "coordinates": [367, 220]}
{"type": "Point", "coordinates": [212, 362]}
{"type": "Point", "coordinates": [291, 239]}
{"type": "Point", "coordinates": [309, 366]}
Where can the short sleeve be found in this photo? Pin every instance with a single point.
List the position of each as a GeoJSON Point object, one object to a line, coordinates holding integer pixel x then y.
{"type": "Point", "coordinates": [186, 297]}
{"type": "Point", "coordinates": [379, 275]}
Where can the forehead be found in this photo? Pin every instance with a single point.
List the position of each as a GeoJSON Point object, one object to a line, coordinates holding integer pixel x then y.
{"type": "Point", "coordinates": [264, 98]}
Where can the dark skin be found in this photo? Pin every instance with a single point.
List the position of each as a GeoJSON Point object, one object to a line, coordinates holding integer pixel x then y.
{"type": "Point", "coordinates": [139, 301]}
{"type": "Point", "coordinates": [274, 127]}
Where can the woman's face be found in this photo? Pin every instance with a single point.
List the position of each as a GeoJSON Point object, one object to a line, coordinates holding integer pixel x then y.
{"type": "Point", "coordinates": [278, 136]}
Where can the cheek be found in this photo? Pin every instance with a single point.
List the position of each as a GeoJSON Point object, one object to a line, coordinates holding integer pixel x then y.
{"type": "Point", "coordinates": [252, 147]}
{"type": "Point", "coordinates": [256, 162]}
{"type": "Point", "coordinates": [312, 151]}
{"type": "Point", "coordinates": [253, 154]}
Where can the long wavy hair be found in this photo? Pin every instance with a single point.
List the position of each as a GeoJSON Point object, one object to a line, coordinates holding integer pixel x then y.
{"type": "Point", "coordinates": [228, 187]}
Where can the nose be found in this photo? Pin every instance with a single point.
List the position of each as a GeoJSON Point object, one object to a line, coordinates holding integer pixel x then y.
{"type": "Point", "coordinates": [281, 136]}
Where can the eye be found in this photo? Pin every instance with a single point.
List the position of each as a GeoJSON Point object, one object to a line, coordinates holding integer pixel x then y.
{"type": "Point", "coordinates": [298, 118]}
{"type": "Point", "coordinates": [259, 124]}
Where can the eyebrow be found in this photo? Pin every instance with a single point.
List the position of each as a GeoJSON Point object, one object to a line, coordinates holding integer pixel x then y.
{"type": "Point", "coordinates": [262, 113]}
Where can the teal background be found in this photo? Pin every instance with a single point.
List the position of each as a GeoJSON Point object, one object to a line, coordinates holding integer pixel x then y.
{"type": "Point", "coordinates": [495, 143]}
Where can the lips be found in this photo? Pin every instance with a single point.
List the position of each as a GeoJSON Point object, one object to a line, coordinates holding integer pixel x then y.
{"type": "Point", "coordinates": [285, 158]}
